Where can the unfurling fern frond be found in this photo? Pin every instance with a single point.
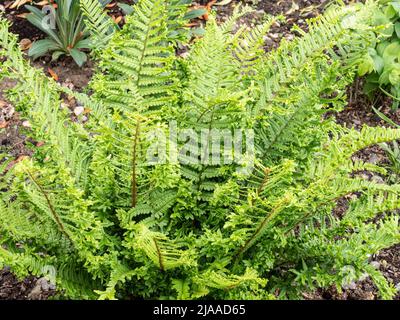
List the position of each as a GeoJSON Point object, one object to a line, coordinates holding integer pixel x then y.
{"type": "Point", "coordinates": [165, 253]}
{"type": "Point", "coordinates": [219, 280]}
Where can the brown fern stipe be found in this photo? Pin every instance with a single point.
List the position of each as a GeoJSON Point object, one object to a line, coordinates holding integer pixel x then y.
{"type": "Point", "coordinates": [160, 259]}
{"type": "Point", "coordinates": [134, 159]}
{"type": "Point", "coordinates": [50, 205]}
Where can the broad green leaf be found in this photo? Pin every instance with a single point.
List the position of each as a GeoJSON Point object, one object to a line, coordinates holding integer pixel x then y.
{"type": "Point", "coordinates": [83, 44]}
{"type": "Point", "coordinates": [381, 47]}
{"type": "Point", "coordinates": [390, 12]}
{"type": "Point", "coordinates": [198, 32]}
{"type": "Point", "coordinates": [366, 65]}
{"type": "Point", "coordinates": [35, 11]}
{"type": "Point", "coordinates": [195, 14]}
{"type": "Point", "coordinates": [397, 29]}
{"type": "Point", "coordinates": [384, 78]}
{"type": "Point", "coordinates": [380, 19]}
{"type": "Point", "coordinates": [79, 57]}
{"type": "Point", "coordinates": [41, 47]}
{"type": "Point", "coordinates": [126, 8]}
{"type": "Point", "coordinates": [391, 52]}
{"type": "Point", "coordinates": [379, 63]}
{"type": "Point", "coordinates": [396, 6]}
{"type": "Point", "coordinates": [38, 22]}
{"type": "Point", "coordinates": [394, 76]}
{"type": "Point", "coordinates": [56, 55]}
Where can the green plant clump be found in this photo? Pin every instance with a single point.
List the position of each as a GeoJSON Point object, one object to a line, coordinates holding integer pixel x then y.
{"type": "Point", "coordinates": [382, 62]}
{"type": "Point", "coordinates": [103, 206]}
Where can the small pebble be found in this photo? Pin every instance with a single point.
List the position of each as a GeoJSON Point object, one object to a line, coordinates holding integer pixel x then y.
{"type": "Point", "coordinates": [26, 124]}
{"type": "Point", "coordinates": [25, 44]}
{"type": "Point", "coordinates": [377, 179]}
{"type": "Point", "coordinates": [184, 55]}
{"type": "Point", "coordinates": [290, 37]}
{"type": "Point", "coordinates": [79, 110]}
{"type": "Point", "coordinates": [68, 84]}
{"type": "Point", "coordinates": [8, 112]}
{"type": "Point", "coordinates": [44, 284]}
{"type": "Point", "coordinates": [351, 286]}
{"type": "Point", "coordinates": [373, 159]}
{"type": "Point", "coordinates": [64, 105]}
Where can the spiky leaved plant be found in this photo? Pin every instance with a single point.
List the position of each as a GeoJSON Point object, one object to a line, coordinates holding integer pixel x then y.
{"type": "Point", "coordinates": [113, 224]}
{"type": "Point", "coordinates": [63, 22]}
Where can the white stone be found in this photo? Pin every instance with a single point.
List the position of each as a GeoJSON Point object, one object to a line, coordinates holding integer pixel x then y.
{"type": "Point", "coordinates": [26, 124]}
{"type": "Point", "coordinates": [79, 110]}
{"type": "Point", "coordinates": [64, 105]}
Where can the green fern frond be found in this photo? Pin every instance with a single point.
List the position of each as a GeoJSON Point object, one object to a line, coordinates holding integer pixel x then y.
{"type": "Point", "coordinates": [220, 280]}
{"type": "Point", "coordinates": [100, 26]}
{"type": "Point", "coordinates": [139, 60]}
{"type": "Point", "coordinates": [163, 252]}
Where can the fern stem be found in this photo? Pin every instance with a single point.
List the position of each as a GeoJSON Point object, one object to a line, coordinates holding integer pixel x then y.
{"type": "Point", "coordinates": [134, 160]}
{"type": "Point", "coordinates": [264, 182]}
{"type": "Point", "coordinates": [278, 135]}
{"type": "Point", "coordinates": [50, 205]}
{"type": "Point", "coordinates": [260, 229]}
{"type": "Point", "coordinates": [160, 259]}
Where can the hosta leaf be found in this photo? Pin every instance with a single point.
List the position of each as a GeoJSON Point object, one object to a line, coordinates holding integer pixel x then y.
{"type": "Point", "coordinates": [397, 29]}
{"type": "Point", "coordinates": [379, 63]}
{"type": "Point", "coordinates": [392, 51]}
{"type": "Point", "coordinates": [394, 76]}
{"type": "Point", "coordinates": [366, 66]}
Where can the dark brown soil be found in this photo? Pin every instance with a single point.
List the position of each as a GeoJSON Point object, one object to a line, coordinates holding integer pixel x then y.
{"type": "Point", "coordinates": [295, 13]}
{"type": "Point", "coordinates": [29, 288]}
{"type": "Point", "coordinates": [387, 261]}
{"type": "Point", "coordinates": [20, 25]}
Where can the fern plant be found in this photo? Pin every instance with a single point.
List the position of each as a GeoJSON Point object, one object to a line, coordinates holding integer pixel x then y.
{"type": "Point", "coordinates": [114, 224]}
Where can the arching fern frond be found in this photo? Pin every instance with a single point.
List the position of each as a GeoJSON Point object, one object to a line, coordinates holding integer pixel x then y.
{"type": "Point", "coordinates": [220, 280]}
{"type": "Point", "coordinates": [164, 253]}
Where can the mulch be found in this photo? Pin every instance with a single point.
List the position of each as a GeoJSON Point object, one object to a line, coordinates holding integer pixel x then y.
{"type": "Point", "coordinates": [29, 288]}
